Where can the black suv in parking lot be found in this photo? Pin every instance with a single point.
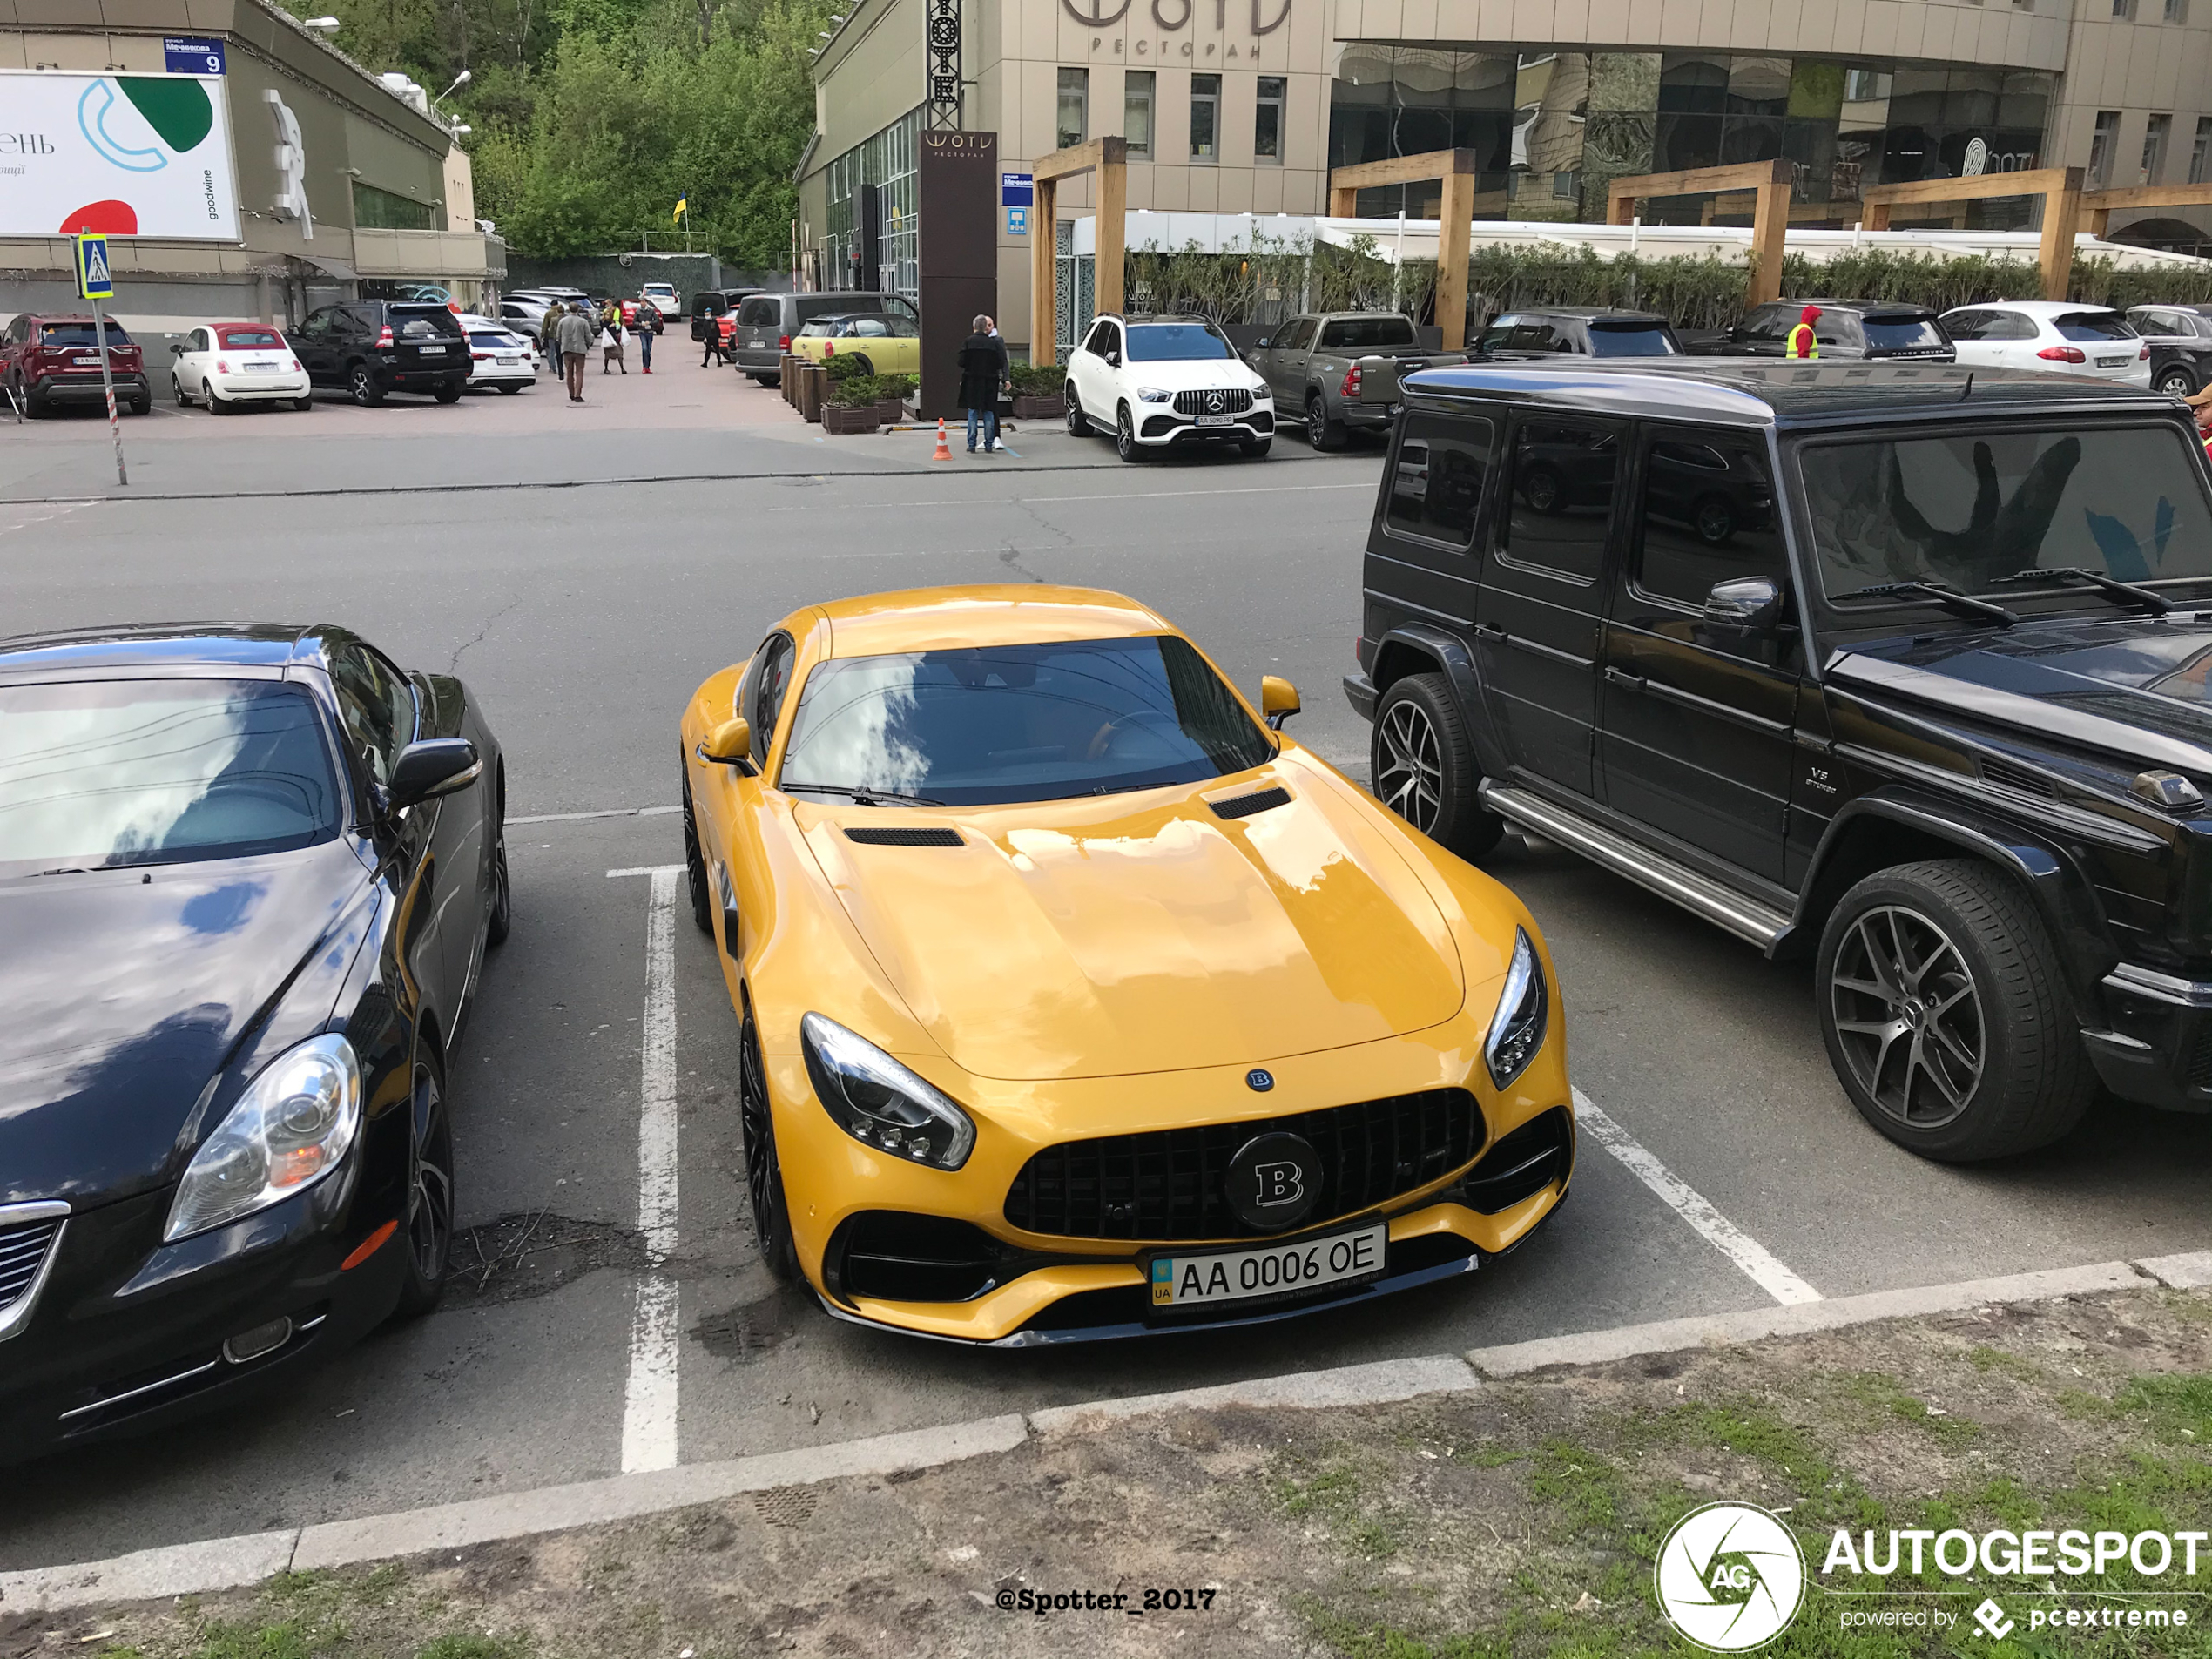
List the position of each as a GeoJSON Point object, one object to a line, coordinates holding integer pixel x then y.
{"type": "Point", "coordinates": [370, 347]}
{"type": "Point", "coordinates": [1583, 331]}
{"type": "Point", "coordinates": [1860, 328]}
{"type": "Point", "coordinates": [1902, 667]}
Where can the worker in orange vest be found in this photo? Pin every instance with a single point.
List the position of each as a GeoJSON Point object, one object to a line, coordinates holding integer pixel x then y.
{"type": "Point", "coordinates": [1802, 343]}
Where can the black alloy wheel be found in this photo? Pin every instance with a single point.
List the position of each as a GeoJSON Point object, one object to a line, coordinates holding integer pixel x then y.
{"type": "Point", "coordinates": [501, 921]}
{"type": "Point", "coordinates": [1716, 521]}
{"type": "Point", "coordinates": [763, 1173]}
{"type": "Point", "coordinates": [1946, 1015]}
{"type": "Point", "coordinates": [1078, 422]}
{"type": "Point", "coordinates": [1320, 431]}
{"type": "Point", "coordinates": [1125, 443]}
{"type": "Point", "coordinates": [1424, 766]}
{"type": "Point", "coordinates": [2175, 381]}
{"type": "Point", "coordinates": [695, 864]}
{"type": "Point", "coordinates": [426, 1232]}
{"type": "Point", "coordinates": [361, 387]}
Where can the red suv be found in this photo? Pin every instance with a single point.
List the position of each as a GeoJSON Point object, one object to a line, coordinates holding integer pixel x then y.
{"type": "Point", "coordinates": [45, 360]}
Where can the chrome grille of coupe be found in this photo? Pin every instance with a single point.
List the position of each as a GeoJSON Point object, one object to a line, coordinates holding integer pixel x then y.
{"type": "Point", "coordinates": [23, 1248]}
{"type": "Point", "coordinates": [1167, 1184]}
{"type": "Point", "coordinates": [1219, 400]}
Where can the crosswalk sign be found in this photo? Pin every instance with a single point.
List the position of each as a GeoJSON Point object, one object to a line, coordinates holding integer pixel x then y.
{"type": "Point", "coordinates": [94, 281]}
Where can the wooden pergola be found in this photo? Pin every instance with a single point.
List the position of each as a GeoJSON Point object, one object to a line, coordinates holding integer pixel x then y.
{"type": "Point", "coordinates": [2098, 204]}
{"type": "Point", "coordinates": [1109, 158]}
{"type": "Point", "coordinates": [2060, 187]}
{"type": "Point", "coordinates": [1456, 168]}
{"type": "Point", "coordinates": [1769, 220]}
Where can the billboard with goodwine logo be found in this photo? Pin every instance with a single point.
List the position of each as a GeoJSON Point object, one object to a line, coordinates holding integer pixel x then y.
{"type": "Point", "coordinates": [127, 155]}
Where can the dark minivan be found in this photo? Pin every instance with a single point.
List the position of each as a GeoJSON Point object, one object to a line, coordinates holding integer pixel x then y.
{"type": "Point", "coordinates": [767, 321]}
{"type": "Point", "coordinates": [1901, 669]}
{"type": "Point", "coordinates": [1853, 329]}
{"type": "Point", "coordinates": [370, 347]}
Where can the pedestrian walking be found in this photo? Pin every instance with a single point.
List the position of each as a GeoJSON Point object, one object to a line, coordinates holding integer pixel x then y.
{"type": "Point", "coordinates": [982, 371]}
{"type": "Point", "coordinates": [549, 336]}
{"type": "Point", "coordinates": [710, 335]}
{"type": "Point", "coordinates": [645, 342]}
{"type": "Point", "coordinates": [573, 335]}
{"type": "Point", "coordinates": [610, 340]}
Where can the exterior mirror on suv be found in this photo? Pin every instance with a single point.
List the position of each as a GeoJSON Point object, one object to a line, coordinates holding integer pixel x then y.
{"type": "Point", "coordinates": [433, 767]}
{"type": "Point", "coordinates": [1115, 358]}
{"type": "Point", "coordinates": [1748, 605]}
{"type": "Point", "coordinates": [1260, 344]}
{"type": "Point", "coordinates": [1278, 700]}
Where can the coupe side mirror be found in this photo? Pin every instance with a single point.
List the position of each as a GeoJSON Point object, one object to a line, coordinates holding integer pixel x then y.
{"type": "Point", "coordinates": [729, 744]}
{"type": "Point", "coordinates": [1278, 700]}
{"type": "Point", "coordinates": [433, 767]}
{"type": "Point", "coordinates": [1750, 605]}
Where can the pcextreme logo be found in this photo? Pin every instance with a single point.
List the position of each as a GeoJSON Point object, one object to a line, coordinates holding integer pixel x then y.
{"type": "Point", "coordinates": [1729, 1577]}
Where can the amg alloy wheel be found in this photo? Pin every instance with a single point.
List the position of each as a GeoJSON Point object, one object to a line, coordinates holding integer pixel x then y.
{"type": "Point", "coordinates": [427, 1231]}
{"type": "Point", "coordinates": [1424, 769]}
{"type": "Point", "coordinates": [1078, 423]}
{"type": "Point", "coordinates": [1411, 780]}
{"type": "Point", "coordinates": [695, 864]}
{"type": "Point", "coordinates": [763, 1173]}
{"type": "Point", "coordinates": [1911, 1026]}
{"type": "Point", "coordinates": [1125, 443]}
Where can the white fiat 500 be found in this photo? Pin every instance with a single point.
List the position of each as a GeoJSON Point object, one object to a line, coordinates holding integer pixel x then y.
{"type": "Point", "coordinates": [1160, 383]}
{"type": "Point", "coordinates": [224, 364]}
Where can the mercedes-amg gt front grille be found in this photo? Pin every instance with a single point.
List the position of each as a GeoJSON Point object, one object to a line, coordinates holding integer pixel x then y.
{"type": "Point", "coordinates": [1169, 1185]}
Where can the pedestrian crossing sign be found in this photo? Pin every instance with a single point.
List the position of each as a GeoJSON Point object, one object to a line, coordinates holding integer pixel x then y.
{"type": "Point", "coordinates": [94, 281]}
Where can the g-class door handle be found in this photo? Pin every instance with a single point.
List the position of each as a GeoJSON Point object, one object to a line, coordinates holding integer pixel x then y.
{"type": "Point", "coordinates": [1489, 630]}
{"type": "Point", "coordinates": [1622, 677]}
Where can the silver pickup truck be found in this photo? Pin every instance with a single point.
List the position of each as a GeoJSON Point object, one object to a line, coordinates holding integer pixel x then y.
{"type": "Point", "coordinates": [1319, 366]}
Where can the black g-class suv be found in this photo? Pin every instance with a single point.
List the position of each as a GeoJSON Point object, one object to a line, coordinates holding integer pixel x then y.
{"type": "Point", "coordinates": [1902, 667]}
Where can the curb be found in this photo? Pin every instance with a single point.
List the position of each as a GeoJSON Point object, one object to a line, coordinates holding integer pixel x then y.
{"type": "Point", "coordinates": [232, 1563]}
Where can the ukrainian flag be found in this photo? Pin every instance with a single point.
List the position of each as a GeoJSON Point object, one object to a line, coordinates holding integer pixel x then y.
{"type": "Point", "coordinates": [682, 204]}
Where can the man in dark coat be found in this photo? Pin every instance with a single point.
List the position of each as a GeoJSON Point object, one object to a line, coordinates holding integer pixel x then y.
{"type": "Point", "coordinates": [983, 372]}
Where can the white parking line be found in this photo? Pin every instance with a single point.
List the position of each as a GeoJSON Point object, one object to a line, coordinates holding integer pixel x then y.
{"type": "Point", "coordinates": [649, 1399]}
{"type": "Point", "coordinates": [606, 811]}
{"type": "Point", "coordinates": [1756, 1261]}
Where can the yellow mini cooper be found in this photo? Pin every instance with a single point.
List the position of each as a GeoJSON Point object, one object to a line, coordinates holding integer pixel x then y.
{"type": "Point", "coordinates": [1076, 1000]}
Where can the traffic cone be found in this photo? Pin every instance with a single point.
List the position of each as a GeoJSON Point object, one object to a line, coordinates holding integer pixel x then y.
{"type": "Point", "coordinates": [943, 454]}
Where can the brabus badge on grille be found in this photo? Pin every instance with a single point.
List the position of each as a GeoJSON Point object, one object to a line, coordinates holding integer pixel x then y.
{"type": "Point", "coordinates": [1259, 1079]}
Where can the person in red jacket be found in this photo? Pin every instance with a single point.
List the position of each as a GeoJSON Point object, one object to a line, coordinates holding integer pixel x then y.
{"type": "Point", "coordinates": [1802, 341]}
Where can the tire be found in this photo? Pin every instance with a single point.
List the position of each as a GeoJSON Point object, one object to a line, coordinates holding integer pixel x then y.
{"type": "Point", "coordinates": [1078, 422]}
{"type": "Point", "coordinates": [361, 387]}
{"type": "Point", "coordinates": [866, 367]}
{"type": "Point", "coordinates": [426, 1225]}
{"type": "Point", "coordinates": [763, 1170]}
{"type": "Point", "coordinates": [448, 392]}
{"type": "Point", "coordinates": [695, 863]}
{"type": "Point", "coordinates": [500, 922]}
{"type": "Point", "coordinates": [142, 404]}
{"type": "Point", "coordinates": [177, 390]}
{"type": "Point", "coordinates": [1257, 451]}
{"type": "Point", "coordinates": [1125, 443]}
{"type": "Point", "coordinates": [1424, 769]}
{"type": "Point", "coordinates": [1320, 431]}
{"type": "Point", "coordinates": [1713, 520]}
{"type": "Point", "coordinates": [509, 391]}
{"type": "Point", "coordinates": [1951, 956]}
{"type": "Point", "coordinates": [216, 405]}
{"type": "Point", "coordinates": [304, 405]}
{"type": "Point", "coordinates": [2175, 381]}
{"type": "Point", "coordinates": [1545, 490]}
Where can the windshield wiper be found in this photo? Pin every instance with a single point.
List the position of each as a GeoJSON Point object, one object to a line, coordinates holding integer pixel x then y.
{"type": "Point", "coordinates": [866, 797]}
{"type": "Point", "coordinates": [1943, 594]}
{"type": "Point", "coordinates": [2111, 587]}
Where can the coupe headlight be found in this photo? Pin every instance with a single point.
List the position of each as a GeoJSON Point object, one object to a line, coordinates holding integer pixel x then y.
{"type": "Point", "coordinates": [1153, 394]}
{"type": "Point", "coordinates": [292, 1127]}
{"type": "Point", "coordinates": [879, 1103]}
{"type": "Point", "coordinates": [1524, 1012]}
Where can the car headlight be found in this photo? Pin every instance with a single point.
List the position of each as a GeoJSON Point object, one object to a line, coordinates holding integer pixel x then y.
{"type": "Point", "coordinates": [878, 1102]}
{"type": "Point", "coordinates": [1153, 394]}
{"type": "Point", "coordinates": [1524, 1012]}
{"type": "Point", "coordinates": [1263, 394]}
{"type": "Point", "coordinates": [292, 1127]}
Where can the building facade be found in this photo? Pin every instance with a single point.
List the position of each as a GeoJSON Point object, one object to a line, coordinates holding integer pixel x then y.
{"type": "Point", "coordinates": [309, 178]}
{"type": "Point", "coordinates": [1241, 106]}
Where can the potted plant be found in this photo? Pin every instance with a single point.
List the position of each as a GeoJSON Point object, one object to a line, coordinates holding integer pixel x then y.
{"type": "Point", "coordinates": [896, 389]}
{"type": "Point", "coordinates": [853, 406]}
{"type": "Point", "coordinates": [1039, 393]}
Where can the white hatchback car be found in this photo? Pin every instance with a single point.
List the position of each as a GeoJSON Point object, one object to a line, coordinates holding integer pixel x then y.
{"type": "Point", "coordinates": [499, 357]}
{"type": "Point", "coordinates": [224, 364]}
{"type": "Point", "coordinates": [1161, 383]}
{"type": "Point", "coordinates": [2055, 336]}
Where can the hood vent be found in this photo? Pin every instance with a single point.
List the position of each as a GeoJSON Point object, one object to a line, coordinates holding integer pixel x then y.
{"type": "Point", "coordinates": [2005, 775]}
{"type": "Point", "coordinates": [870, 835]}
{"type": "Point", "coordinates": [1259, 801]}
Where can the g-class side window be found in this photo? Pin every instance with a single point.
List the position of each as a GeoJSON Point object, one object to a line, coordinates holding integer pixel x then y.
{"type": "Point", "coordinates": [1564, 476]}
{"type": "Point", "coordinates": [1436, 478]}
{"type": "Point", "coordinates": [1708, 515]}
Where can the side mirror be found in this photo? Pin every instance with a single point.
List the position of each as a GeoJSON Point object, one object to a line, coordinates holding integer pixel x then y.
{"type": "Point", "coordinates": [1750, 605]}
{"type": "Point", "coordinates": [1260, 344]}
{"type": "Point", "coordinates": [1114, 359]}
{"type": "Point", "coordinates": [433, 767]}
{"type": "Point", "coordinates": [1278, 700]}
{"type": "Point", "coordinates": [729, 744]}
{"type": "Point", "coordinates": [175, 348]}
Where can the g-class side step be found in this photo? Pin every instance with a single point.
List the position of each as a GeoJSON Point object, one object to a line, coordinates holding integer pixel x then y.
{"type": "Point", "coordinates": [1723, 906]}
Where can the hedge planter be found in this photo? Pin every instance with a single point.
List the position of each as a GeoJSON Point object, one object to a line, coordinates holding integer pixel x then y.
{"type": "Point", "coordinates": [891, 411]}
{"type": "Point", "coordinates": [853, 422]}
{"type": "Point", "coordinates": [1041, 408]}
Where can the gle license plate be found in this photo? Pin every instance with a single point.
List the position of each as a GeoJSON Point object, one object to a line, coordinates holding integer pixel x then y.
{"type": "Point", "coordinates": [1217, 420]}
{"type": "Point", "coordinates": [1268, 1270]}
{"type": "Point", "coordinates": [2112, 362]}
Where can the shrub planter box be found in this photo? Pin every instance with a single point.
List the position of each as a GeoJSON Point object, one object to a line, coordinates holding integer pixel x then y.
{"type": "Point", "coordinates": [1041, 408]}
{"type": "Point", "coordinates": [813, 391]}
{"type": "Point", "coordinates": [853, 422]}
{"type": "Point", "coordinates": [891, 411]}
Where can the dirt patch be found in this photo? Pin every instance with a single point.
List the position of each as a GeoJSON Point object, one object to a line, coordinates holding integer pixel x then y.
{"type": "Point", "coordinates": [535, 1253]}
{"type": "Point", "coordinates": [1517, 1519]}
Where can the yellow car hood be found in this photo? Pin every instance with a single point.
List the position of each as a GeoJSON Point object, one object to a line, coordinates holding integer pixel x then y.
{"type": "Point", "coordinates": [1096, 938]}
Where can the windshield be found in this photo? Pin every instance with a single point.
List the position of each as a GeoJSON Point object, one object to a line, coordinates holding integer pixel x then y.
{"type": "Point", "coordinates": [1366, 334]}
{"type": "Point", "coordinates": [1018, 723]}
{"type": "Point", "coordinates": [1903, 334]}
{"type": "Point", "coordinates": [2093, 325]}
{"type": "Point", "coordinates": [1972, 508]}
{"type": "Point", "coordinates": [79, 334]}
{"type": "Point", "coordinates": [1632, 340]}
{"type": "Point", "coordinates": [158, 771]}
{"type": "Point", "coordinates": [1177, 342]}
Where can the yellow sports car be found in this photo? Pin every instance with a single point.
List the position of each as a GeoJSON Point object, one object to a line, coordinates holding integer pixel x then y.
{"type": "Point", "coordinates": [1078, 1002]}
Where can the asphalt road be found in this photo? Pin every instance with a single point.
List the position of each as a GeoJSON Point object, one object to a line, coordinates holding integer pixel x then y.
{"type": "Point", "coordinates": [583, 617]}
